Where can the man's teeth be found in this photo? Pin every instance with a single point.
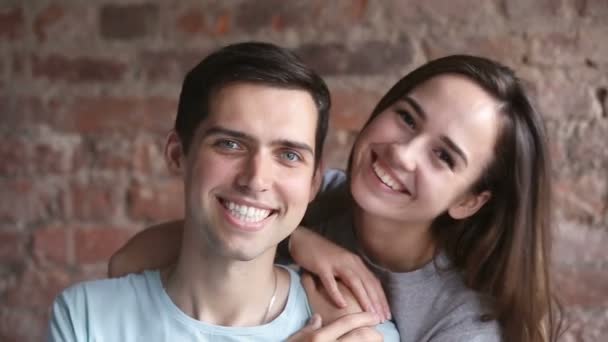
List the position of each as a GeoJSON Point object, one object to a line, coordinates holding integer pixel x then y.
{"type": "Point", "coordinates": [246, 213]}
{"type": "Point", "coordinates": [386, 178]}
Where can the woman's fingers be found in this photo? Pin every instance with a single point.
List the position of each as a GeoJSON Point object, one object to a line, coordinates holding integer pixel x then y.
{"type": "Point", "coordinates": [367, 290]}
{"type": "Point", "coordinates": [331, 286]}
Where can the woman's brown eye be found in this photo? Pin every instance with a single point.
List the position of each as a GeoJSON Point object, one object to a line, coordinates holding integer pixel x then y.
{"type": "Point", "coordinates": [407, 118]}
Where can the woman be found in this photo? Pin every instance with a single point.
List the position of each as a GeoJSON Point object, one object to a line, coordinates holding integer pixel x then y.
{"type": "Point", "coordinates": [447, 201]}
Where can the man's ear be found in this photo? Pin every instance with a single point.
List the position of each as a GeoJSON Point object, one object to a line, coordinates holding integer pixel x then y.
{"type": "Point", "coordinates": [317, 180]}
{"type": "Point", "coordinates": [468, 205]}
{"type": "Point", "coordinates": [174, 153]}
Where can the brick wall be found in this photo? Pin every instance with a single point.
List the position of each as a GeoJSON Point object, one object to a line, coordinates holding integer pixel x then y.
{"type": "Point", "coordinates": [88, 90]}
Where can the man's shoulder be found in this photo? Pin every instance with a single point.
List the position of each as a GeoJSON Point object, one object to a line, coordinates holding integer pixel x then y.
{"type": "Point", "coordinates": [107, 292]}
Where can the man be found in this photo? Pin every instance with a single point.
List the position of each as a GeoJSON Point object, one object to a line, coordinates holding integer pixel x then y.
{"type": "Point", "coordinates": [247, 142]}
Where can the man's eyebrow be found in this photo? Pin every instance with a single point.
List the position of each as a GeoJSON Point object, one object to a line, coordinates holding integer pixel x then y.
{"type": "Point", "coordinates": [295, 145]}
{"type": "Point", "coordinates": [452, 145]}
{"type": "Point", "coordinates": [416, 107]}
{"type": "Point", "coordinates": [218, 130]}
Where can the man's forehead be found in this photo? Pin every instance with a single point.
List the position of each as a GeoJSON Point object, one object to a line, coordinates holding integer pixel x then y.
{"type": "Point", "coordinates": [264, 112]}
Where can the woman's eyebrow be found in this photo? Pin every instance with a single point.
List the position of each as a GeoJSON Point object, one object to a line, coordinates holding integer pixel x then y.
{"type": "Point", "coordinates": [452, 145]}
{"type": "Point", "coordinates": [417, 108]}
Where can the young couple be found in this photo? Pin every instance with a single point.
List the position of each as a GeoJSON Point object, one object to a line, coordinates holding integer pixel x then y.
{"type": "Point", "coordinates": [444, 212]}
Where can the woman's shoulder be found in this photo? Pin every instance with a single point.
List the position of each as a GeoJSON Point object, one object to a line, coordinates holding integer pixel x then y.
{"type": "Point", "coordinates": [332, 179]}
{"type": "Point", "coordinates": [333, 198]}
{"type": "Point", "coordinates": [435, 301]}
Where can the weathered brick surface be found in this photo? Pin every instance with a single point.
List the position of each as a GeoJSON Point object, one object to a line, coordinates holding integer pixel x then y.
{"type": "Point", "coordinates": [88, 92]}
{"type": "Point", "coordinates": [127, 22]}
{"type": "Point", "coordinates": [11, 23]}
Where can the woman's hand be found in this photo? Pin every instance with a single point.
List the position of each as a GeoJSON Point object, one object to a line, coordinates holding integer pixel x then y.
{"type": "Point", "coordinates": [152, 248]}
{"type": "Point", "coordinates": [349, 328]}
{"type": "Point", "coordinates": [330, 261]}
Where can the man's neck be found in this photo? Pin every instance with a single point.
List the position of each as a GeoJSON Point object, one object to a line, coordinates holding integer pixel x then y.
{"type": "Point", "coordinates": [213, 289]}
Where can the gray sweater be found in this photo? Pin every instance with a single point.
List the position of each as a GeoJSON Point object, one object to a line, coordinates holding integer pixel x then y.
{"type": "Point", "coordinates": [429, 304]}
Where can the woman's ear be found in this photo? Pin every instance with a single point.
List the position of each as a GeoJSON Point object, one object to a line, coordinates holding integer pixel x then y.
{"type": "Point", "coordinates": [174, 153]}
{"type": "Point", "coordinates": [469, 205]}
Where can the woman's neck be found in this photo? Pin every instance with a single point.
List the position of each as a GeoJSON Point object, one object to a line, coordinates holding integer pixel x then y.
{"type": "Point", "coordinates": [394, 245]}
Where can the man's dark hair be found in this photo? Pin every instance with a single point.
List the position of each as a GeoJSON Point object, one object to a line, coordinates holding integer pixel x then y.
{"type": "Point", "coordinates": [254, 62]}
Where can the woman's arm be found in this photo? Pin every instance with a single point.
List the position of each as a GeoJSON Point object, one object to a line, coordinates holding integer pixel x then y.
{"type": "Point", "coordinates": [154, 247]}
{"type": "Point", "coordinates": [331, 262]}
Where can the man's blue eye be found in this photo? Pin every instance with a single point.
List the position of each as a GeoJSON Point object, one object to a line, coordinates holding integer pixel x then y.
{"type": "Point", "coordinates": [228, 144]}
{"type": "Point", "coordinates": [291, 156]}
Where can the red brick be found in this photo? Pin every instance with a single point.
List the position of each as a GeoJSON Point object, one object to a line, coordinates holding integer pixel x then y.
{"type": "Point", "coordinates": [352, 107]}
{"type": "Point", "coordinates": [593, 43]}
{"type": "Point", "coordinates": [341, 142]}
{"type": "Point", "coordinates": [158, 200]}
{"type": "Point", "coordinates": [33, 155]}
{"type": "Point", "coordinates": [37, 288]}
{"type": "Point", "coordinates": [595, 8]}
{"type": "Point", "coordinates": [254, 16]}
{"type": "Point", "coordinates": [96, 245]}
{"type": "Point", "coordinates": [169, 65]}
{"type": "Point", "coordinates": [47, 17]}
{"type": "Point", "coordinates": [577, 245]}
{"type": "Point", "coordinates": [583, 198]}
{"type": "Point", "coordinates": [508, 49]}
{"type": "Point", "coordinates": [120, 115]}
{"type": "Point", "coordinates": [148, 156]}
{"type": "Point", "coordinates": [127, 22]}
{"type": "Point", "coordinates": [13, 153]}
{"type": "Point", "coordinates": [23, 112]}
{"type": "Point", "coordinates": [95, 201]}
{"type": "Point", "coordinates": [26, 202]}
{"type": "Point", "coordinates": [456, 11]}
{"type": "Point", "coordinates": [585, 325]}
{"type": "Point", "coordinates": [49, 158]}
{"type": "Point", "coordinates": [222, 24]}
{"type": "Point", "coordinates": [53, 244]}
{"type": "Point", "coordinates": [11, 23]}
{"type": "Point", "coordinates": [520, 9]}
{"type": "Point", "coordinates": [192, 21]}
{"type": "Point", "coordinates": [108, 152]}
{"type": "Point", "coordinates": [12, 247]}
{"type": "Point", "coordinates": [366, 58]}
{"type": "Point", "coordinates": [582, 287]}
{"type": "Point", "coordinates": [563, 96]}
{"type": "Point", "coordinates": [563, 49]}
{"type": "Point", "coordinates": [78, 69]}
{"type": "Point", "coordinates": [23, 325]}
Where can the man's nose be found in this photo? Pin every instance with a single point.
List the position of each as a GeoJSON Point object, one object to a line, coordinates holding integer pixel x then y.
{"type": "Point", "coordinates": [257, 173]}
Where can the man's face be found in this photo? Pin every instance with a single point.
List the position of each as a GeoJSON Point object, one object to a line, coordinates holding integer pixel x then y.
{"type": "Point", "coordinates": [249, 172]}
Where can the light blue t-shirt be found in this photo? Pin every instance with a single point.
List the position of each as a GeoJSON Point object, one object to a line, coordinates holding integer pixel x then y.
{"type": "Point", "coordinates": [137, 308]}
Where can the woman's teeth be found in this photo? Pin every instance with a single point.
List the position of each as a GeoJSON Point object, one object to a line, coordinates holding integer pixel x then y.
{"type": "Point", "coordinates": [246, 213]}
{"type": "Point", "coordinates": [386, 178]}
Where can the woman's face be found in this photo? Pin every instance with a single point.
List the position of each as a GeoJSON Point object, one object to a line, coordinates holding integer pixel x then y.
{"type": "Point", "coordinates": [419, 157]}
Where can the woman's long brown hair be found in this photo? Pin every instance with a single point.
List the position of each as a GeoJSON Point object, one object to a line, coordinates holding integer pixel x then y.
{"type": "Point", "coordinates": [503, 250]}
